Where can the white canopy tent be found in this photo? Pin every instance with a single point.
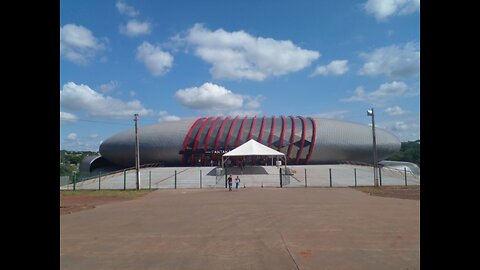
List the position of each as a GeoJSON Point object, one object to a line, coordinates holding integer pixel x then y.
{"type": "Point", "coordinates": [253, 148]}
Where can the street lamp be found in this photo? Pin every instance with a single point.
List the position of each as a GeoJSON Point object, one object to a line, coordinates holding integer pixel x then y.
{"type": "Point", "coordinates": [137, 154]}
{"type": "Point", "coordinates": [375, 178]}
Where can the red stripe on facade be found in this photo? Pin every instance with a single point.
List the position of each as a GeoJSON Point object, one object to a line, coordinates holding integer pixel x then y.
{"type": "Point", "coordinates": [208, 137]}
{"type": "Point", "coordinates": [219, 133]}
{"type": "Point", "coordinates": [284, 124]}
{"type": "Point", "coordinates": [314, 137]}
{"type": "Point", "coordinates": [292, 137]}
{"type": "Point", "coordinates": [187, 137]}
{"type": "Point", "coordinates": [271, 132]}
{"type": "Point", "coordinates": [251, 128]}
{"type": "Point", "coordinates": [230, 131]}
{"type": "Point", "coordinates": [197, 138]}
{"type": "Point", "coordinates": [304, 130]}
{"type": "Point", "coordinates": [261, 130]}
{"type": "Point", "coordinates": [240, 132]}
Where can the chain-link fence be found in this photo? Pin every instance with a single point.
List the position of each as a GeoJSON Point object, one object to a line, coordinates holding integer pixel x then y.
{"type": "Point", "coordinates": [250, 176]}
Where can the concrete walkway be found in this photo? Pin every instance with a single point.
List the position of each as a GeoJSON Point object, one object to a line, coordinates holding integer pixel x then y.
{"type": "Point", "coordinates": [252, 228]}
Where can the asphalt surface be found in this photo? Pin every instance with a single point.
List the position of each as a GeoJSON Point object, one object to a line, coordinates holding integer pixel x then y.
{"type": "Point", "coordinates": [252, 228]}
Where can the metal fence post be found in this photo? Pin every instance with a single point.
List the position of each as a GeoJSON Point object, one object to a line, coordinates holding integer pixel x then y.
{"type": "Point", "coordinates": [380, 174]}
{"type": "Point", "coordinates": [125, 180]}
{"type": "Point", "coordinates": [175, 179]}
{"type": "Point", "coordinates": [355, 173]}
{"type": "Point", "coordinates": [330, 172]}
{"type": "Point", "coordinates": [150, 180]}
{"type": "Point", "coordinates": [225, 177]}
{"type": "Point", "coordinates": [281, 177]}
{"type": "Point", "coordinates": [74, 182]}
{"type": "Point", "coordinates": [99, 181]}
{"type": "Point", "coordinates": [200, 178]}
{"type": "Point", "coordinates": [305, 177]}
{"type": "Point", "coordinates": [405, 171]}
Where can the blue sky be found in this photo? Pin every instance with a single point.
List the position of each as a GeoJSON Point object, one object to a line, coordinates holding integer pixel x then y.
{"type": "Point", "coordinates": [170, 60]}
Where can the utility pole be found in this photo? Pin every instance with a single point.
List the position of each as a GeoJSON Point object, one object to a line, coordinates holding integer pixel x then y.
{"type": "Point", "coordinates": [137, 153]}
{"type": "Point", "coordinates": [375, 177]}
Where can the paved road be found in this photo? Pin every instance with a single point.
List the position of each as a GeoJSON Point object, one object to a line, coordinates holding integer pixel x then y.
{"type": "Point", "coordinates": [253, 228]}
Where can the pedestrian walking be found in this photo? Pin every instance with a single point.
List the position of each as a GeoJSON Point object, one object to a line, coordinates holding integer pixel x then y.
{"type": "Point", "coordinates": [230, 182]}
{"type": "Point", "coordinates": [237, 182]}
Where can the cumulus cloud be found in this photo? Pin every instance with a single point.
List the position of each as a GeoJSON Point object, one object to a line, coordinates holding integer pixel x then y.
{"type": "Point", "coordinates": [72, 137]}
{"type": "Point", "coordinates": [108, 87]}
{"type": "Point", "coordinates": [67, 117]}
{"type": "Point", "coordinates": [125, 9]}
{"type": "Point", "coordinates": [209, 96]}
{"type": "Point", "coordinates": [165, 117]}
{"type": "Point", "coordinates": [81, 98]}
{"type": "Point", "coordinates": [157, 61]}
{"type": "Point", "coordinates": [395, 62]}
{"type": "Point", "coordinates": [336, 67]}
{"type": "Point", "coordinates": [78, 44]}
{"type": "Point", "coordinates": [384, 93]}
{"type": "Point", "coordinates": [394, 111]}
{"type": "Point", "coordinates": [239, 55]}
{"type": "Point", "coordinates": [382, 9]}
{"type": "Point", "coordinates": [135, 28]}
{"type": "Point", "coordinates": [406, 129]}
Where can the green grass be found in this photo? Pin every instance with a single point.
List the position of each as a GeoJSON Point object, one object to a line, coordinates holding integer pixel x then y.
{"type": "Point", "coordinates": [111, 193]}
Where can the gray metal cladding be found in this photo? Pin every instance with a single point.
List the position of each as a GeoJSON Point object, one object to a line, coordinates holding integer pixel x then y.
{"type": "Point", "coordinates": [304, 140]}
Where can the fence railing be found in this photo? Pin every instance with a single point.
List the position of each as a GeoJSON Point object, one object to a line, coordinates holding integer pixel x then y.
{"type": "Point", "coordinates": [255, 176]}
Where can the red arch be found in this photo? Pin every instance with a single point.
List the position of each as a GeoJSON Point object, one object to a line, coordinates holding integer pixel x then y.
{"type": "Point", "coordinates": [284, 123]}
{"type": "Point", "coordinates": [197, 138]}
{"type": "Point", "coordinates": [230, 131]}
{"type": "Point", "coordinates": [251, 128]}
{"type": "Point", "coordinates": [240, 132]}
{"type": "Point", "coordinates": [187, 137]}
{"type": "Point", "coordinates": [292, 136]}
{"type": "Point", "coordinates": [219, 133]}
{"type": "Point", "coordinates": [271, 132]}
{"type": "Point", "coordinates": [314, 137]}
{"type": "Point", "coordinates": [304, 130]}
{"type": "Point", "coordinates": [208, 137]}
{"type": "Point", "coordinates": [260, 136]}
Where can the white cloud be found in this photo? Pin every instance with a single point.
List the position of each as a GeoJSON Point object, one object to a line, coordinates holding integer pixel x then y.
{"type": "Point", "coordinates": [406, 129]}
{"type": "Point", "coordinates": [165, 117]}
{"type": "Point", "coordinates": [336, 67]}
{"type": "Point", "coordinates": [332, 115]}
{"type": "Point", "coordinates": [135, 28]}
{"type": "Point", "coordinates": [382, 9]}
{"type": "Point", "coordinates": [253, 103]}
{"type": "Point", "coordinates": [384, 93]}
{"type": "Point", "coordinates": [125, 9]}
{"type": "Point", "coordinates": [82, 98]}
{"type": "Point", "coordinates": [93, 136]}
{"type": "Point", "coordinates": [72, 137]}
{"type": "Point", "coordinates": [157, 61]}
{"type": "Point", "coordinates": [78, 44]}
{"type": "Point", "coordinates": [394, 111]}
{"type": "Point", "coordinates": [238, 55]}
{"type": "Point", "coordinates": [132, 93]}
{"type": "Point", "coordinates": [108, 87]}
{"type": "Point", "coordinates": [209, 96]}
{"type": "Point", "coordinates": [67, 117]}
{"type": "Point", "coordinates": [395, 62]}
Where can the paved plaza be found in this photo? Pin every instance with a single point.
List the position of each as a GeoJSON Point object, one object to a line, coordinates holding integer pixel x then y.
{"type": "Point", "coordinates": [249, 228]}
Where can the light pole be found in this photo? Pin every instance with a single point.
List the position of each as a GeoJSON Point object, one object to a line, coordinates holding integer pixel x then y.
{"type": "Point", "coordinates": [137, 154]}
{"type": "Point", "coordinates": [375, 178]}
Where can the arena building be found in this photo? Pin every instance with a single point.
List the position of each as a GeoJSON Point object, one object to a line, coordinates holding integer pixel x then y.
{"type": "Point", "coordinates": [202, 141]}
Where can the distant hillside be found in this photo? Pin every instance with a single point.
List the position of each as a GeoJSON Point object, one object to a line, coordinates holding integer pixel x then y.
{"type": "Point", "coordinates": [70, 161]}
{"type": "Point", "coordinates": [410, 151]}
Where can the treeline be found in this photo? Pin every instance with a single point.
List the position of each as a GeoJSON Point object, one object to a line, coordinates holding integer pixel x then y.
{"type": "Point", "coordinates": [409, 151]}
{"type": "Point", "coordinates": [70, 160]}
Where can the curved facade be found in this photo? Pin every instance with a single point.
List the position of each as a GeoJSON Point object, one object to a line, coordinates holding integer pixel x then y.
{"type": "Point", "coordinates": [304, 140]}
